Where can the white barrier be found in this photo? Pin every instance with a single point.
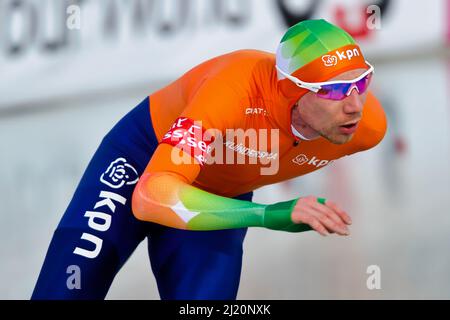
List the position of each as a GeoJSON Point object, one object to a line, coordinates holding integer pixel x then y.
{"type": "Point", "coordinates": [123, 43]}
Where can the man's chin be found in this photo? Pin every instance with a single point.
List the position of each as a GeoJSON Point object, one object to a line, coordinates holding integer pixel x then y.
{"type": "Point", "coordinates": [339, 138]}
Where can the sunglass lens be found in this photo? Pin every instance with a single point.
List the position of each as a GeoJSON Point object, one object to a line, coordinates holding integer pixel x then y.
{"type": "Point", "coordinates": [333, 91]}
{"type": "Point", "coordinates": [363, 84]}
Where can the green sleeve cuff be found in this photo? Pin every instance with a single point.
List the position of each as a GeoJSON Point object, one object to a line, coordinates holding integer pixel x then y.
{"type": "Point", "coordinates": [278, 217]}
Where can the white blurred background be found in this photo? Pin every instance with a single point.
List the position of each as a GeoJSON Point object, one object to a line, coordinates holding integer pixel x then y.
{"type": "Point", "coordinates": [62, 88]}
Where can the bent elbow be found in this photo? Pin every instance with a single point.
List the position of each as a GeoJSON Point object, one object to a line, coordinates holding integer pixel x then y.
{"type": "Point", "coordinates": [147, 202]}
{"type": "Point", "coordinates": [137, 206]}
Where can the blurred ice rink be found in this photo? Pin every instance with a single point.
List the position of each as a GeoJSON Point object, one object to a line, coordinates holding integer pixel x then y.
{"type": "Point", "coordinates": [398, 195]}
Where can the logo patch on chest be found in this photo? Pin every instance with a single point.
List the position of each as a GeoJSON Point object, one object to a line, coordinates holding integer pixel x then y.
{"type": "Point", "coordinates": [302, 159]}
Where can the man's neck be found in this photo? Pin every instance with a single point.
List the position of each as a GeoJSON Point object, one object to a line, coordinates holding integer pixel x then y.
{"type": "Point", "coordinates": [296, 133]}
{"type": "Point", "coordinates": [300, 129]}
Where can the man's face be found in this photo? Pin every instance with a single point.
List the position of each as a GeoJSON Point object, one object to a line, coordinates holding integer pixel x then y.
{"type": "Point", "coordinates": [328, 117]}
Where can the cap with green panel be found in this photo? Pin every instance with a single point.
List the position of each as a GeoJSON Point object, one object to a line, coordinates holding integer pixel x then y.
{"type": "Point", "coordinates": [307, 41]}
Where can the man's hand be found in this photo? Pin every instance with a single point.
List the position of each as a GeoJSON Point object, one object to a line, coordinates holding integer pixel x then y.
{"type": "Point", "coordinates": [324, 218]}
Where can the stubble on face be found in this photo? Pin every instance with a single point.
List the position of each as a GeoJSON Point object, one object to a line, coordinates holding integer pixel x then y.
{"type": "Point", "coordinates": [315, 116]}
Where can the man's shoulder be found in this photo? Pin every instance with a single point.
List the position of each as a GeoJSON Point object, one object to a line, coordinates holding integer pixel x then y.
{"type": "Point", "coordinates": [244, 72]}
{"type": "Point", "coordinates": [246, 61]}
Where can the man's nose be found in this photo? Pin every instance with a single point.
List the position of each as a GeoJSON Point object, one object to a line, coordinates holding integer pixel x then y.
{"type": "Point", "coordinates": [352, 103]}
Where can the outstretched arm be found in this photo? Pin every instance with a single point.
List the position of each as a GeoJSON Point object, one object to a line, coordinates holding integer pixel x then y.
{"type": "Point", "coordinates": [165, 198]}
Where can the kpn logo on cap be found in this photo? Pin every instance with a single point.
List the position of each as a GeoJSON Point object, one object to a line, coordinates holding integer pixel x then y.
{"type": "Point", "coordinates": [330, 60]}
